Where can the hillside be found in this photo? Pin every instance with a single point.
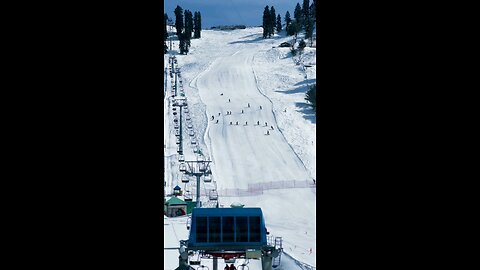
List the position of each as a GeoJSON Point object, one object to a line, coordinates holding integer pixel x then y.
{"type": "Point", "coordinates": [264, 88]}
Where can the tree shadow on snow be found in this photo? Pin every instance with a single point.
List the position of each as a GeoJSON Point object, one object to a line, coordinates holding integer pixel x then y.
{"type": "Point", "coordinates": [307, 111]}
{"type": "Point", "coordinates": [310, 81]}
{"type": "Point", "coordinates": [303, 87]}
{"type": "Point", "coordinates": [247, 41]}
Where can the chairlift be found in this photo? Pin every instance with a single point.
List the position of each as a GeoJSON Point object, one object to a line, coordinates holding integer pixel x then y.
{"type": "Point", "coordinates": [194, 142]}
{"type": "Point", "coordinates": [181, 158]}
{"type": "Point", "coordinates": [178, 140]}
{"type": "Point", "coordinates": [189, 222]}
{"type": "Point", "coordinates": [185, 179]}
{"type": "Point", "coordinates": [195, 149]}
{"type": "Point", "coordinates": [207, 178]}
{"type": "Point", "coordinates": [213, 195]}
{"type": "Point", "coordinates": [183, 167]}
{"type": "Point", "coordinates": [187, 196]}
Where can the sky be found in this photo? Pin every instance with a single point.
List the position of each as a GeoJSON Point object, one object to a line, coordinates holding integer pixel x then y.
{"type": "Point", "coordinates": [231, 12]}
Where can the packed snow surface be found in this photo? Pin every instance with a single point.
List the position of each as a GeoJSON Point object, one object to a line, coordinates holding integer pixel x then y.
{"type": "Point", "coordinates": [270, 152]}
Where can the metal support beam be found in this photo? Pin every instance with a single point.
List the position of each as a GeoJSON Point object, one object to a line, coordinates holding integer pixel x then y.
{"type": "Point", "coordinates": [198, 191]}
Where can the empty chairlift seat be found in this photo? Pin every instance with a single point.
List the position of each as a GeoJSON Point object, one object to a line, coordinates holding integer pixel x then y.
{"type": "Point", "coordinates": [213, 195]}
{"type": "Point", "coordinates": [185, 179]}
{"type": "Point", "coordinates": [181, 158]}
{"type": "Point", "coordinates": [207, 178]}
{"type": "Point", "coordinates": [182, 167]}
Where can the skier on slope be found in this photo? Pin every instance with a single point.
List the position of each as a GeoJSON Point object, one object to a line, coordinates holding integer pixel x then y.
{"type": "Point", "coordinates": [216, 122]}
{"type": "Point", "coordinates": [260, 107]}
{"type": "Point", "coordinates": [212, 117]}
{"type": "Point", "coordinates": [248, 105]}
{"type": "Point", "coordinates": [258, 123]}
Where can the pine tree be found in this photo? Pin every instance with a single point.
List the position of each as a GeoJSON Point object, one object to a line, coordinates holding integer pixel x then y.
{"type": "Point", "coordinates": [309, 29]}
{"type": "Point", "coordinates": [297, 14]}
{"type": "Point", "coordinates": [311, 96]}
{"type": "Point", "coordinates": [307, 22]}
{"type": "Point", "coordinates": [293, 29]}
{"type": "Point", "coordinates": [306, 9]}
{"type": "Point", "coordinates": [199, 24]}
{"type": "Point", "coordinates": [179, 20]}
{"type": "Point", "coordinates": [313, 11]}
{"type": "Point", "coordinates": [266, 21]}
{"type": "Point", "coordinates": [196, 25]}
{"type": "Point", "coordinates": [279, 23]}
{"type": "Point", "coordinates": [188, 24]}
{"type": "Point", "coordinates": [273, 18]}
{"type": "Point", "coordinates": [165, 35]}
{"type": "Point", "coordinates": [288, 20]}
{"type": "Point", "coordinates": [184, 43]}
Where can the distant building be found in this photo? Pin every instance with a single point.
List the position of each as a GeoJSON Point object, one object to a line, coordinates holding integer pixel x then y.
{"type": "Point", "coordinates": [175, 207]}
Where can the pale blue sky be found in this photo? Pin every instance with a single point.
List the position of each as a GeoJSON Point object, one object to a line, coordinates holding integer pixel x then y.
{"type": "Point", "coordinates": [229, 12]}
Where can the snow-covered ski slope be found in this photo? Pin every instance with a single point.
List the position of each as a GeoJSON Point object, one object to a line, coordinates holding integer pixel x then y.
{"type": "Point", "coordinates": [244, 67]}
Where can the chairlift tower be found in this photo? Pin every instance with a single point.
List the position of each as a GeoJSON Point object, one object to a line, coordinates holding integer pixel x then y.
{"type": "Point", "coordinates": [180, 102]}
{"type": "Point", "coordinates": [198, 168]}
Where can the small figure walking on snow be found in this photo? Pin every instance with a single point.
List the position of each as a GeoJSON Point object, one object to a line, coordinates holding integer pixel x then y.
{"type": "Point", "coordinates": [242, 111]}
{"type": "Point", "coordinates": [237, 123]}
{"type": "Point", "coordinates": [219, 114]}
{"type": "Point", "coordinates": [228, 100]}
{"type": "Point", "coordinates": [266, 124]}
{"type": "Point", "coordinates": [260, 107]}
{"type": "Point", "coordinates": [216, 122]}
{"type": "Point", "coordinates": [258, 123]}
{"type": "Point", "coordinates": [248, 105]}
{"type": "Point", "coordinates": [230, 122]}
{"type": "Point", "coordinates": [246, 124]}
{"type": "Point", "coordinates": [270, 126]}
{"type": "Point", "coordinates": [268, 133]}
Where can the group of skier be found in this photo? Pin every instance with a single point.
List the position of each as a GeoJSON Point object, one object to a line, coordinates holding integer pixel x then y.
{"type": "Point", "coordinates": [242, 111]}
